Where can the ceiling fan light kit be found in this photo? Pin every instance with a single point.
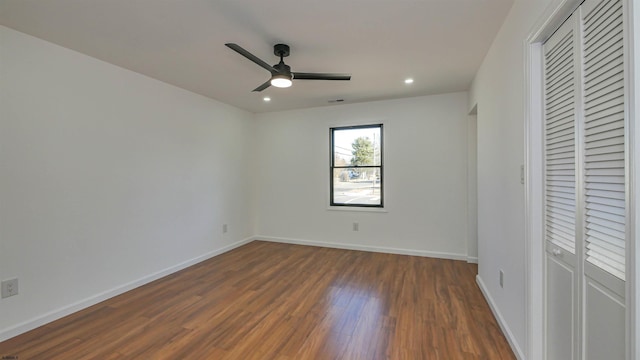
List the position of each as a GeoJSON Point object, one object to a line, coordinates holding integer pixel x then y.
{"type": "Point", "coordinates": [281, 74]}
{"type": "Point", "coordinates": [281, 80]}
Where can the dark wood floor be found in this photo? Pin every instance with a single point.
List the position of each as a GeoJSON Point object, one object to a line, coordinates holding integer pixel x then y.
{"type": "Point", "coordinates": [279, 301]}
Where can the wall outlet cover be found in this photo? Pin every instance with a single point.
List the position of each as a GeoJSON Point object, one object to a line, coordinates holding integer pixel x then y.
{"type": "Point", "coordinates": [9, 288]}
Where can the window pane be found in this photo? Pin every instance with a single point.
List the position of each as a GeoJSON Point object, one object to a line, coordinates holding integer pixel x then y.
{"type": "Point", "coordinates": [357, 147]}
{"type": "Point", "coordinates": [356, 186]}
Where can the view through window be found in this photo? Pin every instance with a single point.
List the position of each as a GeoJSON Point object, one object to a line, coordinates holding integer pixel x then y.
{"type": "Point", "coordinates": [356, 166]}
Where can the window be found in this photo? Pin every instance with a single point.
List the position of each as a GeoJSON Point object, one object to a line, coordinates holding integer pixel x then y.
{"type": "Point", "coordinates": [356, 166]}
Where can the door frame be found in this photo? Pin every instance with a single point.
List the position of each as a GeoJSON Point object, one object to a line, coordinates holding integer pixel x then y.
{"type": "Point", "coordinates": [535, 286]}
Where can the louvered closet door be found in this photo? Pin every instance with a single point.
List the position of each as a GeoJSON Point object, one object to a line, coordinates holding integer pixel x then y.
{"type": "Point", "coordinates": [561, 95]}
{"type": "Point", "coordinates": [604, 179]}
{"type": "Point", "coordinates": [585, 184]}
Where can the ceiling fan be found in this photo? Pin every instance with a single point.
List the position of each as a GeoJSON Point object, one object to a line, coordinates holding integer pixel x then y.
{"type": "Point", "coordinates": [281, 74]}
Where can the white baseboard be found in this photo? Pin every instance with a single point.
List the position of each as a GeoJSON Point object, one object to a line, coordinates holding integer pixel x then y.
{"type": "Point", "coordinates": [38, 321]}
{"type": "Point", "coordinates": [380, 249]}
{"type": "Point", "coordinates": [503, 325]}
{"type": "Point", "coordinates": [472, 259]}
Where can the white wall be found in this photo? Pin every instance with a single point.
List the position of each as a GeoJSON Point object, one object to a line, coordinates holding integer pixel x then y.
{"type": "Point", "coordinates": [498, 92]}
{"type": "Point", "coordinates": [425, 155]}
{"type": "Point", "coordinates": [107, 179]}
{"type": "Point", "coordinates": [472, 188]}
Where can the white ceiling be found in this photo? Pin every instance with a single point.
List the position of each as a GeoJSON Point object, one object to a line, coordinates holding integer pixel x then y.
{"type": "Point", "coordinates": [439, 43]}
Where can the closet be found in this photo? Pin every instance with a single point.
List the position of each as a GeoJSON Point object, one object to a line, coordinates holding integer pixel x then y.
{"type": "Point", "coordinates": [585, 184]}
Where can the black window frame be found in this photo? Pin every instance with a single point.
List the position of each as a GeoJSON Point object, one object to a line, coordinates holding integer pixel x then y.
{"type": "Point", "coordinates": [332, 165]}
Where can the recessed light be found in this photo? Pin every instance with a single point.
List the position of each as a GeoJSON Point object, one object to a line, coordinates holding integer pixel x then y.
{"type": "Point", "coordinates": [266, 99]}
{"type": "Point", "coordinates": [408, 81]}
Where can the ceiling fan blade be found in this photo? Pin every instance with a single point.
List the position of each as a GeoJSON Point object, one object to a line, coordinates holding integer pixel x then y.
{"type": "Point", "coordinates": [320, 76]}
{"type": "Point", "coordinates": [237, 48]}
{"type": "Point", "coordinates": [263, 86]}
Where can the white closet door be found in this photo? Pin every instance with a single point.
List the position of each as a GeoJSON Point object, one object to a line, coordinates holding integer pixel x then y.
{"type": "Point", "coordinates": [561, 97]}
{"type": "Point", "coordinates": [585, 184]}
{"type": "Point", "coordinates": [604, 180]}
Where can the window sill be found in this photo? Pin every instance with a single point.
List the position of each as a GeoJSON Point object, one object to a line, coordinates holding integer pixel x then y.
{"type": "Point", "coordinates": [357, 209]}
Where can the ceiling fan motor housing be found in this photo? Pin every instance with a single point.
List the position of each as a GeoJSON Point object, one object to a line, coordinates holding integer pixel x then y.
{"type": "Point", "coordinates": [282, 68]}
{"type": "Point", "coordinates": [281, 50]}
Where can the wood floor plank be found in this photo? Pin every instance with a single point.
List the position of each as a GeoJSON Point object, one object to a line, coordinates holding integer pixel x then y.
{"type": "Point", "coordinates": [279, 301]}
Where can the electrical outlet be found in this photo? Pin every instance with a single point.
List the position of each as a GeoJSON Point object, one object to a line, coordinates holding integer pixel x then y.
{"type": "Point", "coordinates": [224, 228]}
{"type": "Point", "coordinates": [9, 288]}
{"type": "Point", "coordinates": [356, 226]}
{"type": "Point", "coordinates": [501, 278]}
